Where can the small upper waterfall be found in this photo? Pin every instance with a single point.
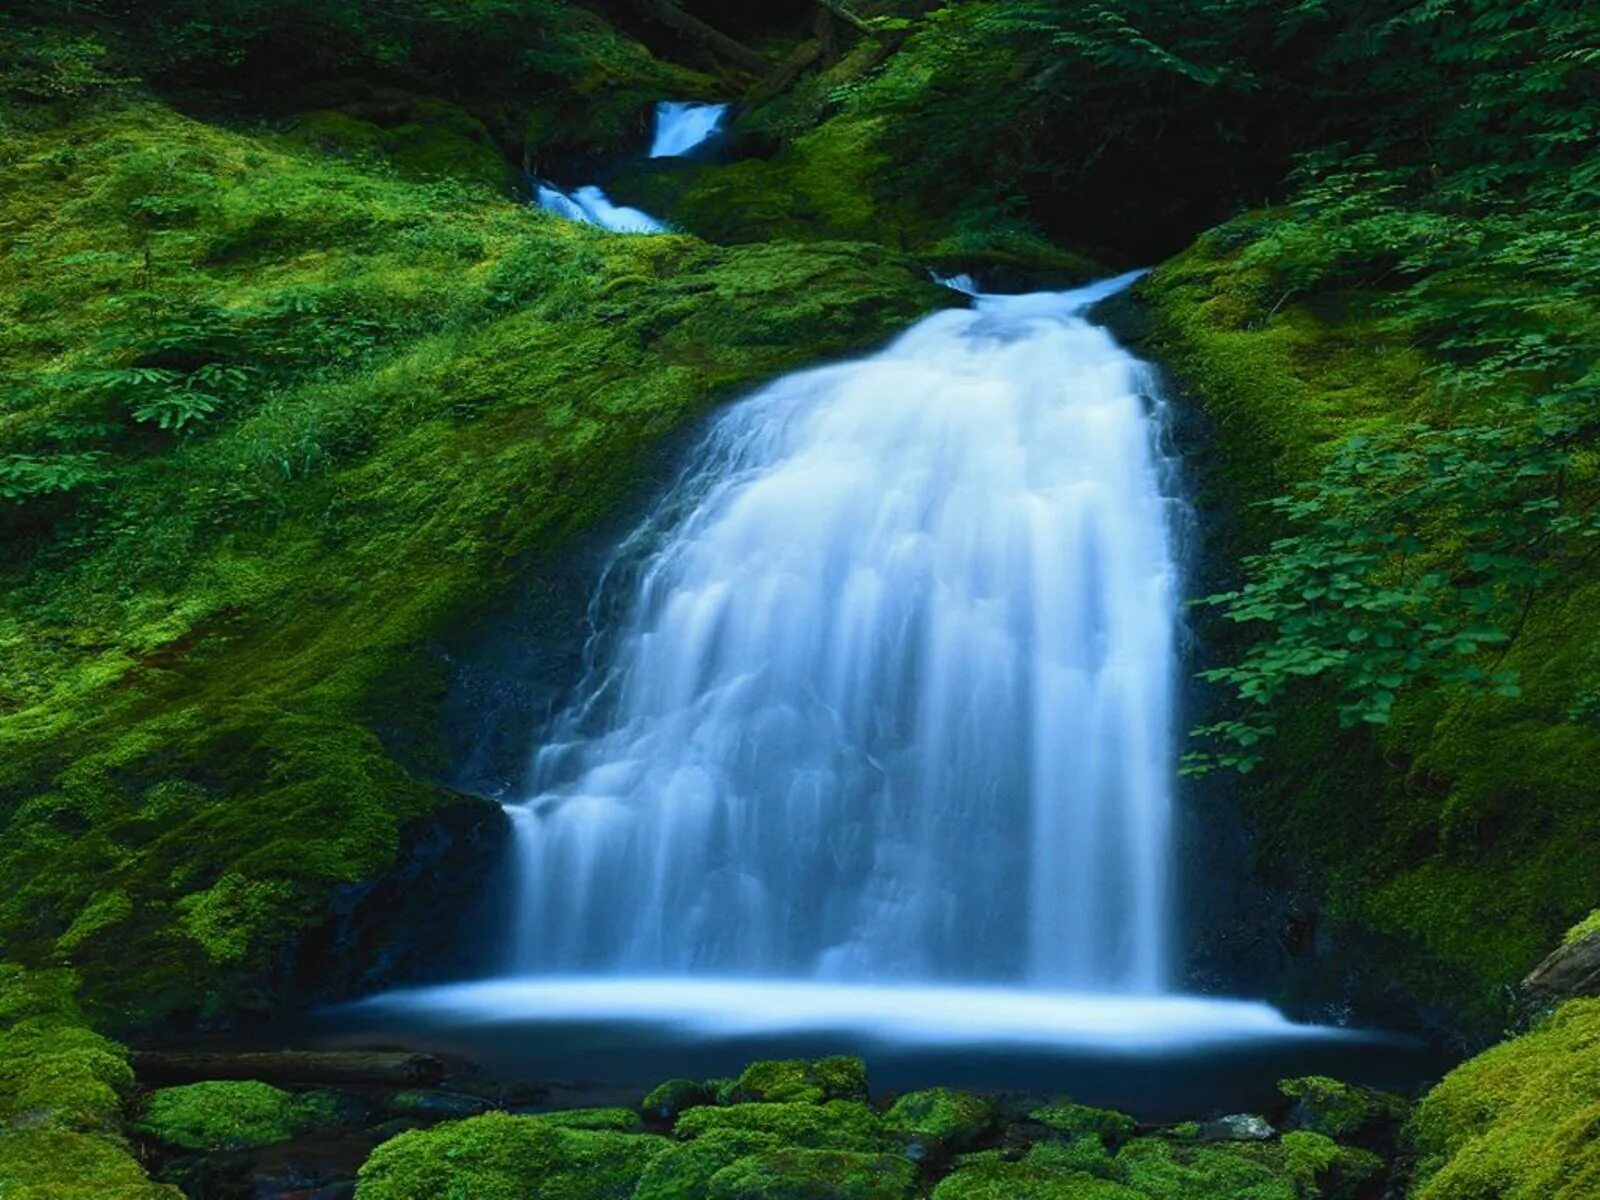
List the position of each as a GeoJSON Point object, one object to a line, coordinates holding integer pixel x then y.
{"type": "Point", "coordinates": [682, 126]}
{"type": "Point", "coordinates": [679, 127]}
{"type": "Point", "coordinates": [890, 690]}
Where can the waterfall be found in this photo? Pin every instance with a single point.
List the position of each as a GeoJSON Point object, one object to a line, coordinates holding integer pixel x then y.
{"type": "Point", "coordinates": [890, 691]}
{"type": "Point", "coordinates": [683, 126]}
{"type": "Point", "coordinates": [680, 127]}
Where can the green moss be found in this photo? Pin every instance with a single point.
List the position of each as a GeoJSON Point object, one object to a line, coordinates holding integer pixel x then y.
{"type": "Point", "coordinates": [431, 140]}
{"type": "Point", "coordinates": [956, 1118]}
{"type": "Point", "coordinates": [501, 1157]}
{"type": "Point", "coordinates": [219, 683]}
{"type": "Point", "coordinates": [1324, 1169]}
{"type": "Point", "coordinates": [61, 1088]}
{"type": "Point", "coordinates": [227, 1115]}
{"type": "Point", "coordinates": [1078, 1120]}
{"type": "Point", "coordinates": [1087, 1155]}
{"type": "Point", "coordinates": [618, 1119]}
{"type": "Point", "coordinates": [1440, 845]}
{"type": "Point", "coordinates": [1520, 1121]}
{"type": "Point", "coordinates": [1163, 1170]}
{"type": "Point", "coordinates": [1339, 1110]}
{"type": "Point", "coordinates": [790, 1174]}
{"type": "Point", "coordinates": [990, 1177]}
{"type": "Point", "coordinates": [1584, 928]}
{"type": "Point", "coordinates": [41, 1164]}
{"type": "Point", "coordinates": [798, 1081]}
{"type": "Point", "coordinates": [684, 1170]}
{"type": "Point", "coordinates": [676, 1096]}
{"type": "Point", "coordinates": [836, 1125]}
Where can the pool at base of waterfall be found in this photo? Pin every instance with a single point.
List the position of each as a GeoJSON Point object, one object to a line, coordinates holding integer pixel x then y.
{"type": "Point", "coordinates": [610, 1039]}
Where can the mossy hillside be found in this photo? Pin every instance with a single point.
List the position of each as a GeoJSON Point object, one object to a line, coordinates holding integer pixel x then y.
{"type": "Point", "coordinates": [228, 1115]}
{"type": "Point", "coordinates": [1521, 1120]}
{"type": "Point", "coordinates": [1443, 841]}
{"type": "Point", "coordinates": [216, 632]}
{"type": "Point", "coordinates": [61, 1090]}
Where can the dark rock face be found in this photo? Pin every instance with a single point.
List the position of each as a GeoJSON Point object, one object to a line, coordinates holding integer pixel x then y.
{"type": "Point", "coordinates": [432, 917]}
{"type": "Point", "coordinates": [1572, 971]}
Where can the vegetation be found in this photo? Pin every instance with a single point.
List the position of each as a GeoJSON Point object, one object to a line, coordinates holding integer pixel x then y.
{"type": "Point", "coordinates": [230, 1116]}
{"type": "Point", "coordinates": [292, 386]}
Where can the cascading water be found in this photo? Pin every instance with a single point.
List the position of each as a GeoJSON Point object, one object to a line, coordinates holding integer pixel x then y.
{"type": "Point", "coordinates": [893, 695]}
{"type": "Point", "coordinates": [680, 127]}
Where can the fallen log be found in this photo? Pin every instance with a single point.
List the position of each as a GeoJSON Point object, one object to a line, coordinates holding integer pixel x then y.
{"type": "Point", "coordinates": [358, 1067]}
{"type": "Point", "coordinates": [667, 13]}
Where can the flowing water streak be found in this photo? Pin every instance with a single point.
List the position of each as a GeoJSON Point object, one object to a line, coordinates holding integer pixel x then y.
{"type": "Point", "coordinates": [680, 128]}
{"type": "Point", "coordinates": [683, 126]}
{"type": "Point", "coordinates": [892, 697]}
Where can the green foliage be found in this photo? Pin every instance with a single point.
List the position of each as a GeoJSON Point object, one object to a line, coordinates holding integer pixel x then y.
{"type": "Point", "coordinates": [50, 1164]}
{"type": "Point", "coordinates": [1518, 1121]}
{"type": "Point", "coordinates": [501, 1157]}
{"type": "Point", "coordinates": [223, 1115]}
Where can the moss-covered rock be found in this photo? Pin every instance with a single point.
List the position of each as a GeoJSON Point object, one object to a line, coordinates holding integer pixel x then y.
{"type": "Point", "coordinates": [1341, 1111]}
{"type": "Point", "coordinates": [617, 1119]}
{"type": "Point", "coordinates": [955, 1118]}
{"type": "Point", "coordinates": [836, 1125]}
{"type": "Point", "coordinates": [1520, 1121]}
{"type": "Point", "coordinates": [798, 1081]}
{"type": "Point", "coordinates": [501, 1157]}
{"type": "Point", "coordinates": [683, 1171]}
{"type": "Point", "coordinates": [669, 1100]}
{"type": "Point", "coordinates": [790, 1174]}
{"type": "Point", "coordinates": [988, 1176]}
{"type": "Point", "coordinates": [61, 1088]}
{"type": "Point", "coordinates": [231, 1115]}
{"type": "Point", "coordinates": [1164, 1170]}
{"type": "Point", "coordinates": [1078, 1120]}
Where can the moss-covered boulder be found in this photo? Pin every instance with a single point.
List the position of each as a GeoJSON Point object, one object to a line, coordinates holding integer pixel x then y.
{"type": "Point", "coordinates": [1521, 1121]}
{"type": "Point", "coordinates": [683, 1171]}
{"type": "Point", "coordinates": [1079, 1120]}
{"type": "Point", "coordinates": [793, 1174]}
{"type": "Point", "coordinates": [617, 1119]}
{"type": "Point", "coordinates": [954, 1118]}
{"type": "Point", "coordinates": [1341, 1111]}
{"type": "Point", "coordinates": [798, 1081]}
{"type": "Point", "coordinates": [836, 1125]}
{"type": "Point", "coordinates": [989, 1176]}
{"type": "Point", "coordinates": [231, 1115]}
{"type": "Point", "coordinates": [502, 1157]}
{"type": "Point", "coordinates": [669, 1100]}
{"type": "Point", "coordinates": [61, 1089]}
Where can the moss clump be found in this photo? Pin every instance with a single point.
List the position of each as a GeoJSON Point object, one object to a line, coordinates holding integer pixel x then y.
{"type": "Point", "coordinates": [990, 1177]}
{"type": "Point", "coordinates": [790, 1174]}
{"type": "Point", "coordinates": [1324, 1169]}
{"type": "Point", "coordinates": [1340, 1110]}
{"type": "Point", "coordinates": [61, 1087]}
{"type": "Point", "coordinates": [797, 1081]}
{"type": "Point", "coordinates": [683, 1171]}
{"type": "Point", "coordinates": [1079, 1120]}
{"type": "Point", "coordinates": [836, 1125]}
{"type": "Point", "coordinates": [501, 1157]}
{"type": "Point", "coordinates": [228, 1115]}
{"type": "Point", "coordinates": [1584, 928]}
{"type": "Point", "coordinates": [617, 1119]}
{"type": "Point", "coordinates": [1520, 1121]}
{"type": "Point", "coordinates": [956, 1118]}
{"type": "Point", "coordinates": [44, 1164]}
{"type": "Point", "coordinates": [669, 1100]}
{"type": "Point", "coordinates": [1166, 1171]}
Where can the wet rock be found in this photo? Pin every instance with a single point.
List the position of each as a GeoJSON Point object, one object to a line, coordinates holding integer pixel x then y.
{"type": "Point", "coordinates": [1237, 1127]}
{"type": "Point", "coordinates": [436, 1105]}
{"type": "Point", "coordinates": [1572, 971]}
